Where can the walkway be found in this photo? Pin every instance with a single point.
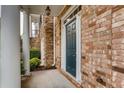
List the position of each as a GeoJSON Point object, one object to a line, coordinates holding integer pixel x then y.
{"type": "Point", "coordinates": [47, 79]}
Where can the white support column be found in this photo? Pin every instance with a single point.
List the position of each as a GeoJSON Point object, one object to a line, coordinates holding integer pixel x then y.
{"type": "Point", "coordinates": [10, 47]}
{"type": "Point", "coordinates": [0, 11]}
{"type": "Point", "coordinates": [0, 42]}
{"type": "Point", "coordinates": [42, 43]}
{"type": "Point", "coordinates": [30, 26]}
{"type": "Point", "coordinates": [25, 43]}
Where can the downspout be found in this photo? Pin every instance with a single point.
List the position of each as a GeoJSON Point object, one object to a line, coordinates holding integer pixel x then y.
{"type": "Point", "coordinates": [54, 42]}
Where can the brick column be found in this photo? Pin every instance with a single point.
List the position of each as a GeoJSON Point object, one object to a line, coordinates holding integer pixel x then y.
{"type": "Point", "coordinates": [47, 41]}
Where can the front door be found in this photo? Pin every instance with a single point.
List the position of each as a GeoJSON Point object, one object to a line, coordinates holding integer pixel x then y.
{"type": "Point", "coordinates": [71, 47]}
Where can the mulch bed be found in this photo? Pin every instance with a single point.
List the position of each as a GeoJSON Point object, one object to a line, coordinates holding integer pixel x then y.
{"type": "Point", "coordinates": [44, 68]}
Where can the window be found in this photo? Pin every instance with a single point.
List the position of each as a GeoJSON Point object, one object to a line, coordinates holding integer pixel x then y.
{"type": "Point", "coordinates": [21, 23]}
{"type": "Point", "coordinates": [73, 14]}
{"type": "Point", "coordinates": [35, 29]}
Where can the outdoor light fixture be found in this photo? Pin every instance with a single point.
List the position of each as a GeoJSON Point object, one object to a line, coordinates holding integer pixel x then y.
{"type": "Point", "coordinates": [47, 10]}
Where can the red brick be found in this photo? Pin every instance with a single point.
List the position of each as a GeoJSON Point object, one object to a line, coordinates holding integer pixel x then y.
{"type": "Point", "coordinates": [118, 46]}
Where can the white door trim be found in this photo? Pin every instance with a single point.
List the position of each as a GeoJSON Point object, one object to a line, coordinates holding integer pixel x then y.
{"type": "Point", "coordinates": [78, 43]}
{"type": "Point", "coordinates": [78, 48]}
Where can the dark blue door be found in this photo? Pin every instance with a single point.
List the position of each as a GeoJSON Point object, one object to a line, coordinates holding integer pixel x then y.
{"type": "Point", "coordinates": [71, 47]}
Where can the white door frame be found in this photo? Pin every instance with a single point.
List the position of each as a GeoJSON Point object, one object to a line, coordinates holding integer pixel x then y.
{"type": "Point", "coordinates": [78, 43]}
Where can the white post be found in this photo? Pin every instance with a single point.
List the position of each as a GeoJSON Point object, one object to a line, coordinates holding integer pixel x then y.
{"type": "Point", "coordinates": [0, 42]}
{"type": "Point", "coordinates": [10, 47]}
{"type": "Point", "coordinates": [25, 43]}
{"type": "Point", "coordinates": [42, 42]}
{"type": "Point", "coordinates": [30, 26]}
{"type": "Point", "coordinates": [0, 11]}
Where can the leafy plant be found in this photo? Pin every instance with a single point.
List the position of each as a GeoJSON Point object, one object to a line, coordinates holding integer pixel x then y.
{"type": "Point", "coordinates": [34, 53]}
{"type": "Point", "coordinates": [34, 63]}
{"type": "Point", "coordinates": [22, 68]}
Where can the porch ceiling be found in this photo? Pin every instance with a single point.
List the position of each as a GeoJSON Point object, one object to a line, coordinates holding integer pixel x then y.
{"type": "Point", "coordinates": [40, 9]}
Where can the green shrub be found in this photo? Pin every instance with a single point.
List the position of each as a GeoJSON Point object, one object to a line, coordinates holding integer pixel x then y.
{"type": "Point", "coordinates": [34, 63]}
{"type": "Point", "coordinates": [22, 68]}
{"type": "Point", "coordinates": [34, 53]}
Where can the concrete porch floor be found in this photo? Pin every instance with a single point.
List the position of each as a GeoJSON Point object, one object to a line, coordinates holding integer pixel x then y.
{"type": "Point", "coordinates": [47, 79]}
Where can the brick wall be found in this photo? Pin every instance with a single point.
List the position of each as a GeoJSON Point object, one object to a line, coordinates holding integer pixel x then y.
{"type": "Point", "coordinates": [118, 46]}
{"type": "Point", "coordinates": [58, 37]}
{"type": "Point", "coordinates": [102, 42]}
{"type": "Point", "coordinates": [58, 42]}
{"type": "Point", "coordinates": [96, 51]}
{"type": "Point", "coordinates": [35, 42]}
